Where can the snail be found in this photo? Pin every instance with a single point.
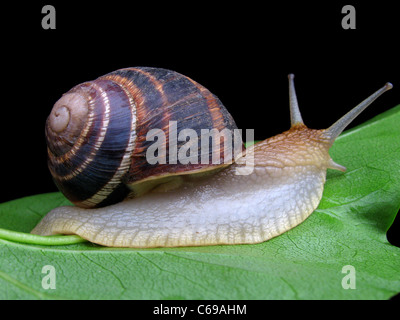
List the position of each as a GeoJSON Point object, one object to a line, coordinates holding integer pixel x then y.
{"type": "Point", "coordinates": [266, 190]}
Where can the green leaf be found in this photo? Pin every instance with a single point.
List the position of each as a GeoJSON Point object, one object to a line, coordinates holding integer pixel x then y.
{"type": "Point", "coordinates": [348, 228]}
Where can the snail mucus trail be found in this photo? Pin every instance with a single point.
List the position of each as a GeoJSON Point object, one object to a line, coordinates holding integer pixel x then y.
{"type": "Point", "coordinates": [284, 187]}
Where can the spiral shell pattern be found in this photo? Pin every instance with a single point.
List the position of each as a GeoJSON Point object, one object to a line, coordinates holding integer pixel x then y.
{"type": "Point", "coordinates": [96, 132]}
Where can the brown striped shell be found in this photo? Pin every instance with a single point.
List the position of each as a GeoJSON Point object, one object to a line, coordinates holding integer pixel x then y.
{"type": "Point", "coordinates": [96, 133]}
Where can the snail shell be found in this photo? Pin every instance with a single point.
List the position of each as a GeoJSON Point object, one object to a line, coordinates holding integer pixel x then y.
{"type": "Point", "coordinates": [96, 133]}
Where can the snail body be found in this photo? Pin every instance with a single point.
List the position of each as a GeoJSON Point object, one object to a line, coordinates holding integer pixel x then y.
{"type": "Point", "coordinates": [232, 206]}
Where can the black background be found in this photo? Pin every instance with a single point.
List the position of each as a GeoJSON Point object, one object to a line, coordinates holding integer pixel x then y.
{"type": "Point", "coordinates": [242, 52]}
